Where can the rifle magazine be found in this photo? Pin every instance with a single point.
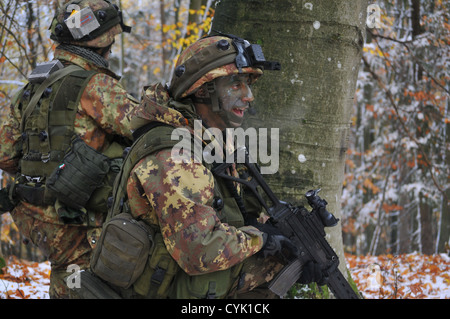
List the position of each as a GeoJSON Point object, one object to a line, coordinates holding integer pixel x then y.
{"type": "Point", "coordinates": [287, 277]}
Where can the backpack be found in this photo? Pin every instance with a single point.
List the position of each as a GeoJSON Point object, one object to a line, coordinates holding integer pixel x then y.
{"type": "Point", "coordinates": [130, 253]}
{"type": "Point", "coordinates": [127, 256]}
{"type": "Point", "coordinates": [57, 167]}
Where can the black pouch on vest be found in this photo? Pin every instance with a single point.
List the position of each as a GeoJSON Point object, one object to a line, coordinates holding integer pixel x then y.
{"type": "Point", "coordinates": [93, 287]}
{"type": "Point", "coordinates": [80, 174]}
{"type": "Point", "coordinates": [121, 254]}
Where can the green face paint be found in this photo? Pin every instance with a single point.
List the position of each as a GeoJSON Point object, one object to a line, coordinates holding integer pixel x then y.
{"type": "Point", "coordinates": [234, 94]}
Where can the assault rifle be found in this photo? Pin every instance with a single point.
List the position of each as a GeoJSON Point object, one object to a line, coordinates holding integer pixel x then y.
{"type": "Point", "coordinates": [304, 228]}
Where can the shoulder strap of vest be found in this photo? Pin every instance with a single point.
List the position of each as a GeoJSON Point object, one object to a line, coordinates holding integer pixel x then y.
{"type": "Point", "coordinates": [153, 137]}
{"type": "Point", "coordinates": [40, 90]}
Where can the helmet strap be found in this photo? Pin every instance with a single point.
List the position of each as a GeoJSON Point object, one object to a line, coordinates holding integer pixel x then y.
{"type": "Point", "coordinates": [212, 100]}
{"type": "Point", "coordinates": [211, 87]}
{"type": "Point", "coordinates": [106, 49]}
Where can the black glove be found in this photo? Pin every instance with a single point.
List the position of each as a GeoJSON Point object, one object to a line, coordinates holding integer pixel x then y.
{"type": "Point", "coordinates": [276, 244]}
{"type": "Point", "coordinates": [6, 205]}
{"type": "Point", "coordinates": [312, 272]}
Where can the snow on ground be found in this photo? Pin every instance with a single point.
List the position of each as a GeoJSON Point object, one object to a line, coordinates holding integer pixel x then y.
{"type": "Point", "coordinates": [24, 280]}
{"type": "Point", "coordinates": [377, 277]}
{"type": "Point", "coordinates": [407, 276]}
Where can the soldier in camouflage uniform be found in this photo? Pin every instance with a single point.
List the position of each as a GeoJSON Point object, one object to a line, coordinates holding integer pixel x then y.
{"type": "Point", "coordinates": [101, 107]}
{"type": "Point", "coordinates": [213, 251]}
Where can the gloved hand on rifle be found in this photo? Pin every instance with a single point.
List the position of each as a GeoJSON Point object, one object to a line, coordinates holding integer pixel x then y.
{"type": "Point", "coordinates": [311, 272]}
{"type": "Point", "coordinates": [276, 244]}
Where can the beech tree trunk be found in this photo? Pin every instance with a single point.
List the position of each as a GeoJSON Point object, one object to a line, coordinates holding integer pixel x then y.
{"type": "Point", "coordinates": [319, 44]}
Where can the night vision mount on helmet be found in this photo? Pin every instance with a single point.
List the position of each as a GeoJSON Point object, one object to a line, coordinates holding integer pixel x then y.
{"type": "Point", "coordinates": [251, 55]}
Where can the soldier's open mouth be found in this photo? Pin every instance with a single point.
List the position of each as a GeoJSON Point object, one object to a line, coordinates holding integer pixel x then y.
{"type": "Point", "coordinates": [238, 112]}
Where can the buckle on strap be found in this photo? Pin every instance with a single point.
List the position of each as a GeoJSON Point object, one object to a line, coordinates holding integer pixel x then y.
{"type": "Point", "coordinates": [35, 179]}
{"type": "Point", "coordinates": [45, 157]}
{"type": "Point", "coordinates": [211, 294]}
{"type": "Point", "coordinates": [158, 276]}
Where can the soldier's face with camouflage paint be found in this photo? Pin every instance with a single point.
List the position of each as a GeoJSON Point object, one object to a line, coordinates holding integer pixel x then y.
{"type": "Point", "coordinates": [234, 95]}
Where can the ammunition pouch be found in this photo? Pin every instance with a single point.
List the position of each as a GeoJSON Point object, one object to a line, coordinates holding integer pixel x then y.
{"type": "Point", "coordinates": [82, 183]}
{"type": "Point", "coordinates": [92, 287]}
{"type": "Point", "coordinates": [31, 193]}
{"type": "Point", "coordinates": [215, 285]}
{"type": "Point", "coordinates": [160, 270]}
{"type": "Point", "coordinates": [80, 174]}
{"type": "Point", "coordinates": [122, 251]}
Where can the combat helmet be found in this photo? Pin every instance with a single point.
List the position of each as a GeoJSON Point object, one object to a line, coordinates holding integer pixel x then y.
{"type": "Point", "coordinates": [216, 56]}
{"type": "Point", "coordinates": [87, 23]}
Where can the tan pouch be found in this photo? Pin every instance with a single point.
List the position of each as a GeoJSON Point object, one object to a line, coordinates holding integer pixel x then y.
{"type": "Point", "coordinates": [161, 268]}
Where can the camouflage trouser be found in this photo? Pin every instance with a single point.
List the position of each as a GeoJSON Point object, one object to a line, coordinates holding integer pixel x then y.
{"type": "Point", "coordinates": [62, 245]}
{"type": "Point", "coordinates": [255, 275]}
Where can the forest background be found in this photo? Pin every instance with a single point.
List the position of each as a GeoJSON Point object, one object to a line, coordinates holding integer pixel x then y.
{"type": "Point", "coordinates": [396, 190]}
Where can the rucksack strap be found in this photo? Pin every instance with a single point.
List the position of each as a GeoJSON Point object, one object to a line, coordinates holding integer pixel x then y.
{"type": "Point", "coordinates": [152, 138]}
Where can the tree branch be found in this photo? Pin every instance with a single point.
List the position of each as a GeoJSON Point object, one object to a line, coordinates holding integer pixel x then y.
{"type": "Point", "coordinates": [403, 125]}
{"type": "Point", "coordinates": [416, 60]}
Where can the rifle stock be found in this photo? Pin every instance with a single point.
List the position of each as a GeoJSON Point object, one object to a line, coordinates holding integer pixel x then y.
{"type": "Point", "coordinates": [305, 229]}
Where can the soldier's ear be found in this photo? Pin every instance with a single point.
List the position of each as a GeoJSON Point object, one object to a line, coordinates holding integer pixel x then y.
{"type": "Point", "coordinates": [202, 92]}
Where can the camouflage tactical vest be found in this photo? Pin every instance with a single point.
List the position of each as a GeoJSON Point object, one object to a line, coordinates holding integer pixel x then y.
{"type": "Point", "coordinates": [162, 277]}
{"type": "Point", "coordinates": [48, 112]}
{"type": "Point", "coordinates": [47, 125]}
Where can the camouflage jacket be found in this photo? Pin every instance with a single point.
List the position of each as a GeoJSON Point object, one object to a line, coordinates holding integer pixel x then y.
{"type": "Point", "coordinates": [103, 111]}
{"type": "Point", "coordinates": [177, 197]}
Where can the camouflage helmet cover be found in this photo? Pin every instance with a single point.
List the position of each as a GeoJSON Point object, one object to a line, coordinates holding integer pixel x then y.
{"type": "Point", "coordinates": [204, 61]}
{"type": "Point", "coordinates": [107, 15]}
